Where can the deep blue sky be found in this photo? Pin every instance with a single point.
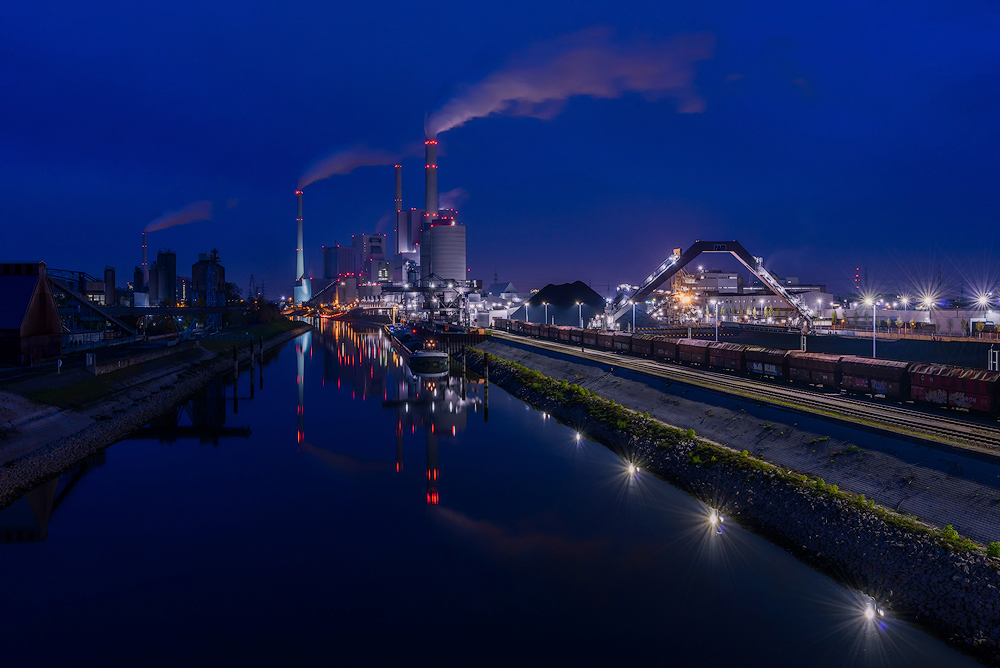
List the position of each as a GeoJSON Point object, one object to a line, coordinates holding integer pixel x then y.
{"type": "Point", "coordinates": [834, 134]}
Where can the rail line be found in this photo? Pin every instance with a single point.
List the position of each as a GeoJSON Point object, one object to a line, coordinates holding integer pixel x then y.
{"type": "Point", "coordinates": [904, 421]}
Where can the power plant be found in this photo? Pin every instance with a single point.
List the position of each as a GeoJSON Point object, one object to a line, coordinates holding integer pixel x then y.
{"type": "Point", "coordinates": [422, 268]}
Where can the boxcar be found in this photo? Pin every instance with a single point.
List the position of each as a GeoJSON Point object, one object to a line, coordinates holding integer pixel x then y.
{"type": "Point", "coordinates": [769, 362]}
{"type": "Point", "coordinates": [642, 344]}
{"type": "Point", "coordinates": [575, 335]}
{"type": "Point", "coordinates": [873, 376]}
{"type": "Point", "coordinates": [550, 332]}
{"type": "Point", "coordinates": [693, 351]}
{"type": "Point", "coordinates": [665, 349]}
{"type": "Point", "coordinates": [605, 341]}
{"type": "Point", "coordinates": [817, 368]}
{"type": "Point", "coordinates": [623, 342]}
{"type": "Point", "coordinates": [563, 333]}
{"type": "Point", "coordinates": [955, 386]}
{"type": "Point", "coordinates": [590, 338]}
{"type": "Point", "coordinates": [532, 329]}
{"type": "Point", "coordinates": [730, 356]}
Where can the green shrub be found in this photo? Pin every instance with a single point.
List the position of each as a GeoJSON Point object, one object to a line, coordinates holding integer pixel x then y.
{"type": "Point", "coordinates": [819, 440]}
{"type": "Point", "coordinates": [689, 433]}
{"type": "Point", "coordinates": [949, 533]}
{"type": "Point", "coordinates": [993, 550]}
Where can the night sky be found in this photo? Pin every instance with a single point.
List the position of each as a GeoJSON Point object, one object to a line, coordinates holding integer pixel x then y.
{"type": "Point", "coordinates": [821, 135]}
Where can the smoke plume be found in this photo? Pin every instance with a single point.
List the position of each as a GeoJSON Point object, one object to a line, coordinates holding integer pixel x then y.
{"type": "Point", "coordinates": [538, 81]}
{"type": "Point", "coordinates": [189, 214]}
{"type": "Point", "coordinates": [453, 198]}
{"type": "Point", "coordinates": [347, 160]}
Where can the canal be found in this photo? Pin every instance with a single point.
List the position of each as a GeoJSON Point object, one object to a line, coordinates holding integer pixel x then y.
{"type": "Point", "coordinates": [350, 512]}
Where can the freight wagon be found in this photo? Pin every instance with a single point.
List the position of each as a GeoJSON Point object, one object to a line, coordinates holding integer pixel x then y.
{"type": "Point", "coordinates": [957, 387]}
{"type": "Point", "coordinates": [864, 375]}
{"type": "Point", "coordinates": [814, 368]}
{"type": "Point", "coordinates": [730, 356]}
{"type": "Point", "coordinates": [693, 351]}
{"type": "Point", "coordinates": [767, 362]}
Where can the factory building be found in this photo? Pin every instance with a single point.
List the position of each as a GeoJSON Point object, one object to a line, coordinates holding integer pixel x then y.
{"type": "Point", "coordinates": [442, 248]}
{"type": "Point", "coordinates": [338, 261]}
{"type": "Point", "coordinates": [163, 279]}
{"type": "Point", "coordinates": [207, 264]}
{"type": "Point", "coordinates": [30, 327]}
{"type": "Point", "coordinates": [371, 264]}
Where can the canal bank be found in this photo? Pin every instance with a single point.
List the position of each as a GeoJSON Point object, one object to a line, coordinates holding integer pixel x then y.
{"type": "Point", "coordinates": [931, 576]}
{"type": "Point", "coordinates": [51, 429]}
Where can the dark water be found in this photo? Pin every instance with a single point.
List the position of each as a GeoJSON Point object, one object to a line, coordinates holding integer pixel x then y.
{"type": "Point", "coordinates": [351, 514]}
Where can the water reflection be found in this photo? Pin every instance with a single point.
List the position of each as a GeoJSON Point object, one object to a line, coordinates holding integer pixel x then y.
{"type": "Point", "coordinates": [27, 519]}
{"type": "Point", "coordinates": [363, 361]}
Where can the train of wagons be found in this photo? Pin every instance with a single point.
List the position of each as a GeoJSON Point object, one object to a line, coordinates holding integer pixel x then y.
{"type": "Point", "coordinates": [975, 390]}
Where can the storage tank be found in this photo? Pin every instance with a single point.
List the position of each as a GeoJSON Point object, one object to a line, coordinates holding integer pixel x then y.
{"type": "Point", "coordinates": [442, 251]}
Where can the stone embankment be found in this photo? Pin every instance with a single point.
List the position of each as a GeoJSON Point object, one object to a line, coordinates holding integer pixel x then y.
{"type": "Point", "coordinates": [116, 416]}
{"type": "Point", "coordinates": [932, 577]}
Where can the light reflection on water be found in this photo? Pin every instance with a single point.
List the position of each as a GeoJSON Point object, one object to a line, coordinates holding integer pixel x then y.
{"type": "Point", "coordinates": [403, 521]}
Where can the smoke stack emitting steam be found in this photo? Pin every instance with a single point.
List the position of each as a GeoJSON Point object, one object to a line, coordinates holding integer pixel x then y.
{"type": "Point", "coordinates": [538, 81]}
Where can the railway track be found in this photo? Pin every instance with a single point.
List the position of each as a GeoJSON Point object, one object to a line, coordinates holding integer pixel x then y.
{"type": "Point", "coordinates": [905, 421]}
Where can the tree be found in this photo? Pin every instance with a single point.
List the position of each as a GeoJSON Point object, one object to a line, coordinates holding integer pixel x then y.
{"type": "Point", "coordinates": [980, 326]}
{"type": "Point", "coordinates": [233, 293]}
{"type": "Point", "coordinates": [948, 324]}
{"type": "Point", "coordinates": [899, 322]}
{"type": "Point", "coordinates": [965, 326]}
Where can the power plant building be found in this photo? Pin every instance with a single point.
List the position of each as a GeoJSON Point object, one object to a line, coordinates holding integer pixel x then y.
{"type": "Point", "coordinates": [442, 248]}
{"type": "Point", "coordinates": [200, 271]}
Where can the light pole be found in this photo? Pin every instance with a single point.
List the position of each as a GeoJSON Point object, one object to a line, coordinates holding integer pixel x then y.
{"type": "Point", "coordinates": [579, 305]}
{"type": "Point", "coordinates": [526, 318]}
{"type": "Point", "coordinates": [546, 305]}
{"type": "Point", "coordinates": [633, 317]}
{"type": "Point", "coordinates": [871, 302]}
{"type": "Point", "coordinates": [716, 302]}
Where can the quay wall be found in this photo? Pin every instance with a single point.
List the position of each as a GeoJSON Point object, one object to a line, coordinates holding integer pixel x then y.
{"type": "Point", "coordinates": [921, 574]}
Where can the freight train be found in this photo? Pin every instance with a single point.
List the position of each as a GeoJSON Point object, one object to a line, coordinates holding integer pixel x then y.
{"type": "Point", "coordinates": [976, 390]}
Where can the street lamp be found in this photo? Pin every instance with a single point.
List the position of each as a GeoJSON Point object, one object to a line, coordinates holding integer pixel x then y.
{"type": "Point", "coordinates": [716, 302]}
{"type": "Point", "coordinates": [526, 318]}
{"type": "Point", "coordinates": [580, 307]}
{"type": "Point", "coordinates": [546, 305]}
{"type": "Point", "coordinates": [871, 302]}
{"type": "Point", "coordinates": [633, 317]}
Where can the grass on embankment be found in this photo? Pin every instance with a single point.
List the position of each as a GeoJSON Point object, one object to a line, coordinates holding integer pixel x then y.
{"type": "Point", "coordinates": [266, 331]}
{"type": "Point", "coordinates": [705, 454]}
{"type": "Point", "coordinates": [81, 388]}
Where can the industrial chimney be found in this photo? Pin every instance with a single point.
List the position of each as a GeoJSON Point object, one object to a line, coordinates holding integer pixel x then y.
{"type": "Point", "coordinates": [399, 200]}
{"type": "Point", "coordinates": [431, 183]}
{"type": "Point", "coordinates": [145, 265]}
{"type": "Point", "coordinates": [300, 262]}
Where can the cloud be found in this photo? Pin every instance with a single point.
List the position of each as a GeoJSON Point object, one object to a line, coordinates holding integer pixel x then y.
{"type": "Point", "coordinates": [192, 212]}
{"type": "Point", "coordinates": [538, 82]}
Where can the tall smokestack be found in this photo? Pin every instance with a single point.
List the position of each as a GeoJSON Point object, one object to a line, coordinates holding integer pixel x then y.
{"type": "Point", "coordinates": [431, 174]}
{"type": "Point", "coordinates": [399, 200]}
{"type": "Point", "coordinates": [300, 262]}
{"type": "Point", "coordinates": [145, 264]}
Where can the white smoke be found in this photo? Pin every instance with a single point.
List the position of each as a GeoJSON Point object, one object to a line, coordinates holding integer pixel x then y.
{"type": "Point", "coordinates": [453, 198]}
{"type": "Point", "coordinates": [189, 214]}
{"type": "Point", "coordinates": [345, 161]}
{"type": "Point", "coordinates": [538, 81]}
